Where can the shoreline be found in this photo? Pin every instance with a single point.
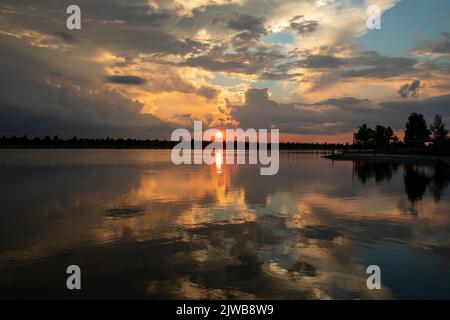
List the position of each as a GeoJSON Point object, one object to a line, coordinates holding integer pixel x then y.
{"type": "Point", "coordinates": [434, 160]}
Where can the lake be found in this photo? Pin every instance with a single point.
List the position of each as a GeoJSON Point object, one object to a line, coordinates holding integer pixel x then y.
{"type": "Point", "coordinates": [141, 227]}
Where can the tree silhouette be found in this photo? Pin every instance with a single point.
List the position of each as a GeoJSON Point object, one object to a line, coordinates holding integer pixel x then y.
{"type": "Point", "coordinates": [383, 136]}
{"type": "Point", "coordinates": [416, 132]}
{"type": "Point", "coordinates": [379, 138]}
{"type": "Point", "coordinates": [365, 136]}
{"type": "Point", "coordinates": [438, 129]}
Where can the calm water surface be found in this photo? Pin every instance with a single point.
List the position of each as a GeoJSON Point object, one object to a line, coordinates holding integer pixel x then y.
{"type": "Point", "coordinates": [141, 227]}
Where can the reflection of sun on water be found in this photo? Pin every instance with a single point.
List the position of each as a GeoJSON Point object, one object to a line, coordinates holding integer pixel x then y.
{"type": "Point", "coordinates": [218, 160]}
{"type": "Point", "coordinates": [218, 153]}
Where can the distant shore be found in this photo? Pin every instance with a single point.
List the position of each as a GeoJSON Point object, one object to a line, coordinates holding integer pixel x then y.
{"type": "Point", "coordinates": [435, 160]}
{"type": "Point", "coordinates": [109, 143]}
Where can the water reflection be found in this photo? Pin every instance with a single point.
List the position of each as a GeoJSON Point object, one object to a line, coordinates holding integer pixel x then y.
{"type": "Point", "coordinates": [379, 171]}
{"type": "Point", "coordinates": [417, 179]}
{"type": "Point", "coordinates": [142, 227]}
{"type": "Point", "coordinates": [218, 161]}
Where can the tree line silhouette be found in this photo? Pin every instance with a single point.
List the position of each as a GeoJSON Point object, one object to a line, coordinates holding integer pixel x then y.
{"type": "Point", "coordinates": [419, 138]}
{"type": "Point", "coordinates": [381, 138]}
{"type": "Point", "coordinates": [75, 142]}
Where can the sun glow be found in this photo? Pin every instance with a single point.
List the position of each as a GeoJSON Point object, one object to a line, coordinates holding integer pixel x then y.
{"type": "Point", "coordinates": [219, 135]}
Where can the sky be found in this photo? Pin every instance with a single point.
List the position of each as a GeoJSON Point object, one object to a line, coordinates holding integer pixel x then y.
{"type": "Point", "coordinates": [142, 68]}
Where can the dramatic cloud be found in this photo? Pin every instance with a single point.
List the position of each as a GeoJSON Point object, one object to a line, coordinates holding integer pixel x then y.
{"type": "Point", "coordinates": [373, 65]}
{"type": "Point", "coordinates": [43, 109]}
{"type": "Point", "coordinates": [332, 115]}
{"type": "Point", "coordinates": [249, 23]}
{"type": "Point", "coordinates": [137, 63]}
{"type": "Point", "coordinates": [435, 47]}
{"type": "Point", "coordinates": [252, 62]}
{"type": "Point", "coordinates": [260, 111]}
{"type": "Point", "coordinates": [410, 90]}
{"type": "Point", "coordinates": [304, 27]}
{"type": "Point", "coordinates": [321, 62]}
{"type": "Point", "coordinates": [132, 80]}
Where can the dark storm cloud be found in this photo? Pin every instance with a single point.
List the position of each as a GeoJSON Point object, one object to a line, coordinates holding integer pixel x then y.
{"type": "Point", "coordinates": [245, 22]}
{"type": "Point", "coordinates": [16, 120]}
{"type": "Point", "coordinates": [208, 92]}
{"type": "Point", "coordinates": [136, 11]}
{"type": "Point", "coordinates": [244, 39]}
{"type": "Point", "coordinates": [129, 80]}
{"type": "Point", "coordinates": [131, 28]}
{"type": "Point", "coordinates": [49, 74]}
{"type": "Point", "coordinates": [121, 26]}
{"type": "Point", "coordinates": [304, 27]}
{"type": "Point", "coordinates": [347, 102]}
{"type": "Point", "coordinates": [130, 11]}
{"type": "Point", "coordinates": [260, 111]}
{"type": "Point", "coordinates": [346, 113]}
{"type": "Point", "coordinates": [249, 29]}
{"type": "Point", "coordinates": [151, 41]}
{"type": "Point", "coordinates": [436, 47]}
{"type": "Point", "coordinates": [369, 64]}
{"type": "Point", "coordinates": [429, 107]}
{"type": "Point", "coordinates": [321, 61]}
{"type": "Point", "coordinates": [37, 100]}
{"type": "Point", "coordinates": [41, 109]}
{"type": "Point", "coordinates": [373, 65]}
{"type": "Point", "coordinates": [411, 90]}
{"type": "Point", "coordinates": [246, 56]}
{"type": "Point", "coordinates": [246, 62]}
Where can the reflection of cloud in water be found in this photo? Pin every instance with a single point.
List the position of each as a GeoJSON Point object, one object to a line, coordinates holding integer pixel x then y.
{"type": "Point", "coordinates": [125, 212]}
{"type": "Point", "coordinates": [162, 231]}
